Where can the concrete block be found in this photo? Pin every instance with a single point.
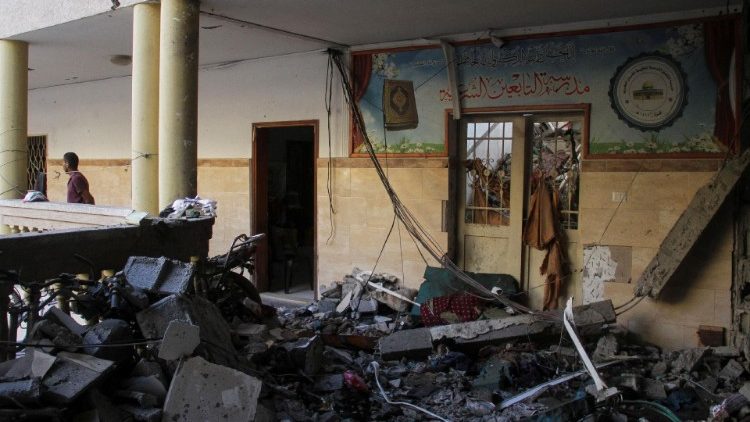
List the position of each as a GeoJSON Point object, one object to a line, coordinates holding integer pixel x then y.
{"type": "Point", "coordinates": [107, 332]}
{"type": "Point", "coordinates": [71, 375]}
{"type": "Point", "coordinates": [33, 364]}
{"type": "Point", "coordinates": [330, 383]}
{"type": "Point", "coordinates": [158, 275]}
{"type": "Point", "coordinates": [732, 370]}
{"type": "Point", "coordinates": [146, 368]}
{"type": "Point", "coordinates": [180, 339]}
{"type": "Point", "coordinates": [745, 390]}
{"type": "Point", "coordinates": [606, 347]}
{"type": "Point", "coordinates": [416, 343]}
{"type": "Point", "coordinates": [495, 373]}
{"type": "Point", "coordinates": [56, 315]}
{"type": "Point", "coordinates": [26, 391]}
{"type": "Point", "coordinates": [327, 305]}
{"type": "Point", "coordinates": [654, 389]}
{"type": "Point", "coordinates": [367, 306]}
{"type": "Point", "coordinates": [688, 359]}
{"type": "Point", "coordinates": [216, 341]}
{"type": "Point", "coordinates": [307, 354]}
{"type": "Point", "coordinates": [202, 391]}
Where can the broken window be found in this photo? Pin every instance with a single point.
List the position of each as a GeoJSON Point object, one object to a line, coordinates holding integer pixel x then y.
{"type": "Point", "coordinates": [556, 156]}
{"type": "Point", "coordinates": [488, 161]}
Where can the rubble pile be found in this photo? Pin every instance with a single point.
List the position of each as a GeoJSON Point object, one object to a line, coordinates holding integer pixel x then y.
{"type": "Point", "coordinates": [158, 348]}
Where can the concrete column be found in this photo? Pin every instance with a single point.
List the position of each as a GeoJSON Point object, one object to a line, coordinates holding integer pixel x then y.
{"type": "Point", "coordinates": [178, 100]}
{"type": "Point", "coordinates": [145, 115]}
{"type": "Point", "coordinates": [14, 86]}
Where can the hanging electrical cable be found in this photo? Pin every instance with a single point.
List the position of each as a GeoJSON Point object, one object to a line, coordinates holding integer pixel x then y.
{"type": "Point", "coordinates": [328, 96]}
{"type": "Point", "coordinates": [411, 224]}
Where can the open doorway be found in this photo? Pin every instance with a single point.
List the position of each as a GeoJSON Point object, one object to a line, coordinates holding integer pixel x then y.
{"type": "Point", "coordinates": [283, 195]}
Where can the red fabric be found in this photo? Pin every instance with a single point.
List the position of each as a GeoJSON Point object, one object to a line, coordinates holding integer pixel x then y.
{"type": "Point", "coordinates": [720, 38]}
{"type": "Point", "coordinates": [466, 307]}
{"type": "Point", "coordinates": [361, 72]}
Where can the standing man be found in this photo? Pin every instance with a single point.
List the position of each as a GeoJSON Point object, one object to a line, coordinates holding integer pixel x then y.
{"type": "Point", "coordinates": [78, 186]}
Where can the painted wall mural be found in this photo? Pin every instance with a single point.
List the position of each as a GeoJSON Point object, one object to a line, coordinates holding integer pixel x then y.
{"type": "Point", "coordinates": [651, 90]}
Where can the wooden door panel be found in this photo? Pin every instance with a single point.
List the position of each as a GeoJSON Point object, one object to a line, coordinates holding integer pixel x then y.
{"type": "Point", "coordinates": [486, 254]}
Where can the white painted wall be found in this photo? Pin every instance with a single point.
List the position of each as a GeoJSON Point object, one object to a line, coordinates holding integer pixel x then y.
{"type": "Point", "coordinates": [93, 118]}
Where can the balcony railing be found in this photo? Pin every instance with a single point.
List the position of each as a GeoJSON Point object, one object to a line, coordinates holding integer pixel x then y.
{"type": "Point", "coordinates": [42, 216]}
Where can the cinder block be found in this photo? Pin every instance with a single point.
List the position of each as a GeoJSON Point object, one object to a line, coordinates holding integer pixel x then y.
{"type": "Point", "coordinates": [202, 391]}
{"type": "Point", "coordinates": [416, 343]}
{"type": "Point", "coordinates": [215, 333]}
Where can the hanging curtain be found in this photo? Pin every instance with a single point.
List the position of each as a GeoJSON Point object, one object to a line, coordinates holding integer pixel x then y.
{"type": "Point", "coordinates": [361, 71]}
{"type": "Point", "coordinates": [541, 232]}
{"type": "Point", "coordinates": [720, 39]}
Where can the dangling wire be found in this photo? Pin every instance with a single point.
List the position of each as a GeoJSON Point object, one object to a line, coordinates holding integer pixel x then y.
{"type": "Point", "coordinates": [411, 224]}
{"type": "Point", "coordinates": [327, 98]}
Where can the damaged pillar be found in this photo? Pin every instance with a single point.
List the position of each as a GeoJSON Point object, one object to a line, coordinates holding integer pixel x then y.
{"type": "Point", "coordinates": [178, 100]}
{"type": "Point", "coordinates": [14, 84]}
{"type": "Point", "coordinates": [145, 114]}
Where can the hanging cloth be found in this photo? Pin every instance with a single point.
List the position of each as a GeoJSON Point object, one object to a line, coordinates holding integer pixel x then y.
{"type": "Point", "coordinates": [541, 233]}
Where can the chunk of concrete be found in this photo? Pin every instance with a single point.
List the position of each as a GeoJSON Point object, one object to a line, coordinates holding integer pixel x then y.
{"type": "Point", "coordinates": [495, 373]}
{"type": "Point", "coordinates": [180, 340]}
{"type": "Point", "coordinates": [25, 391]}
{"type": "Point", "coordinates": [606, 348]}
{"type": "Point", "coordinates": [732, 370]}
{"type": "Point", "coordinates": [71, 375]}
{"type": "Point", "coordinates": [330, 383]}
{"type": "Point", "coordinates": [589, 320]}
{"type": "Point", "coordinates": [415, 344]}
{"type": "Point", "coordinates": [141, 414]}
{"type": "Point", "coordinates": [393, 302]}
{"type": "Point", "coordinates": [745, 390]}
{"type": "Point", "coordinates": [202, 391]}
{"type": "Point", "coordinates": [654, 389]}
{"type": "Point", "coordinates": [106, 332]}
{"type": "Point", "coordinates": [58, 334]}
{"type": "Point", "coordinates": [327, 305]}
{"type": "Point", "coordinates": [367, 305]}
{"type": "Point", "coordinates": [56, 315]}
{"type": "Point", "coordinates": [142, 399]}
{"type": "Point", "coordinates": [33, 364]}
{"type": "Point", "coordinates": [307, 354]}
{"type": "Point", "coordinates": [688, 359]}
{"type": "Point", "coordinates": [151, 385]}
{"type": "Point", "coordinates": [216, 341]}
{"type": "Point", "coordinates": [146, 368]}
{"type": "Point", "coordinates": [159, 275]}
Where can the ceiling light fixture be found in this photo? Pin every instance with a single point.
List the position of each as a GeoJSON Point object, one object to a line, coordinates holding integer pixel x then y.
{"type": "Point", "coordinates": [121, 60]}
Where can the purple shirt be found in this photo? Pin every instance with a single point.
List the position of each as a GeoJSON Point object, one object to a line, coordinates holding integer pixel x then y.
{"type": "Point", "coordinates": [77, 184]}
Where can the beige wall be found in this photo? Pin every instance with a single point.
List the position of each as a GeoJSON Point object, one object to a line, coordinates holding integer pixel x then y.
{"type": "Point", "coordinates": [700, 293]}
{"type": "Point", "coordinates": [225, 180]}
{"type": "Point", "coordinates": [363, 216]}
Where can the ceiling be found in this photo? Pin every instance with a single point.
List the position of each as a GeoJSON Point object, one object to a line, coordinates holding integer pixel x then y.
{"type": "Point", "coordinates": [231, 30]}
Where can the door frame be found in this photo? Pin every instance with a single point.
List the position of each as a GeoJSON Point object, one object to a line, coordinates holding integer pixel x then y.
{"type": "Point", "coordinates": [453, 133]}
{"type": "Point", "coordinates": [259, 196]}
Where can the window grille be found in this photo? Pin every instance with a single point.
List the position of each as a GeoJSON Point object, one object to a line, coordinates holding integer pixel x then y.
{"type": "Point", "coordinates": [37, 148]}
{"type": "Point", "coordinates": [488, 153]}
